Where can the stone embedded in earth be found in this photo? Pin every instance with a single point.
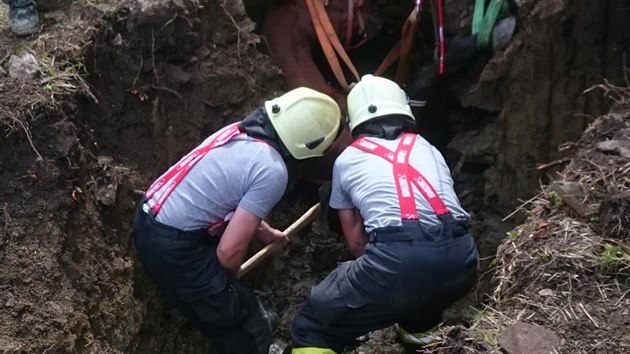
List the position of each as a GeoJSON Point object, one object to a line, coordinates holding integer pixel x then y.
{"type": "Point", "coordinates": [24, 67]}
{"type": "Point", "coordinates": [619, 147]}
{"type": "Point", "coordinates": [3, 72]}
{"type": "Point", "coordinates": [525, 338]}
{"type": "Point", "coordinates": [572, 193]}
{"type": "Point", "coordinates": [10, 301]}
{"type": "Point", "coordinates": [117, 41]}
{"type": "Point", "coordinates": [107, 194]}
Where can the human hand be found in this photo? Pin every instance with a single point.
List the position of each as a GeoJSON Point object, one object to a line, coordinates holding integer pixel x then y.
{"type": "Point", "coordinates": [267, 235]}
{"type": "Point", "coordinates": [277, 240]}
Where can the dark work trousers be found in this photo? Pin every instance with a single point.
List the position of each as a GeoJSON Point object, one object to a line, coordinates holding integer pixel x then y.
{"type": "Point", "coordinates": [408, 275]}
{"type": "Point", "coordinates": [186, 268]}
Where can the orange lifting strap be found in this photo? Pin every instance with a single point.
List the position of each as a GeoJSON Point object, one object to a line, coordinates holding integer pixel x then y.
{"type": "Point", "coordinates": [330, 42]}
{"type": "Point", "coordinates": [332, 47]}
{"type": "Point", "coordinates": [402, 50]}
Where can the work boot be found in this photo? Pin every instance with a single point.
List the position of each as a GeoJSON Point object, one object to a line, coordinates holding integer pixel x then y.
{"type": "Point", "coordinates": [412, 342]}
{"type": "Point", "coordinates": [278, 348]}
{"type": "Point", "coordinates": [23, 17]}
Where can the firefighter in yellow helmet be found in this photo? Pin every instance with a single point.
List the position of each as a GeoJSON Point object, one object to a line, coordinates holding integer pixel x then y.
{"type": "Point", "coordinates": [401, 220]}
{"type": "Point", "coordinates": [196, 221]}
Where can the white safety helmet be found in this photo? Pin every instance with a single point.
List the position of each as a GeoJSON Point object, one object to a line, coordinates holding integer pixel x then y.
{"type": "Point", "coordinates": [306, 121]}
{"type": "Point", "coordinates": [374, 97]}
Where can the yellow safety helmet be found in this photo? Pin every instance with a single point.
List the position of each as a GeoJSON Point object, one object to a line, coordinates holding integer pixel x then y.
{"type": "Point", "coordinates": [306, 121]}
{"type": "Point", "coordinates": [374, 97]}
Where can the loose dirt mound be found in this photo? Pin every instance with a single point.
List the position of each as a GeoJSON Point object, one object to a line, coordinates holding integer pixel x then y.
{"type": "Point", "coordinates": [566, 269]}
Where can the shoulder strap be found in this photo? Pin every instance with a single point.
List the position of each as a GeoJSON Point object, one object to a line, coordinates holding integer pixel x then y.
{"type": "Point", "coordinates": [405, 173]}
{"type": "Point", "coordinates": [173, 176]}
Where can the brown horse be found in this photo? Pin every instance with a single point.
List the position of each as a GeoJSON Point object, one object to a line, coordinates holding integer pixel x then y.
{"type": "Point", "coordinates": [293, 44]}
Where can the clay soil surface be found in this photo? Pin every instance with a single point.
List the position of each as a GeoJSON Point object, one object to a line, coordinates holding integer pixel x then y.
{"type": "Point", "coordinates": [123, 88]}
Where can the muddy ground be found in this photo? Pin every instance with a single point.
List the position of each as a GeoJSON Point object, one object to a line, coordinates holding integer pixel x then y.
{"type": "Point", "coordinates": [123, 88]}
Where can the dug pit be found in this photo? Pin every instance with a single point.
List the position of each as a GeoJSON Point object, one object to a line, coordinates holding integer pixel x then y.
{"type": "Point", "coordinates": [164, 74]}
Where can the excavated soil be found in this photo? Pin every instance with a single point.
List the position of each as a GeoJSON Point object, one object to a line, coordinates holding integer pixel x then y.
{"type": "Point", "coordinates": [563, 274]}
{"type": "Point", "coordinates": [125, 87]}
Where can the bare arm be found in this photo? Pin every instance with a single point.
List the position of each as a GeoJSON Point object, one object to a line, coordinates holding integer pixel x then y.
{"type": "Point", "coordinates": [235, 241]}
{"type": "Point", "coordinates": [353, 231]}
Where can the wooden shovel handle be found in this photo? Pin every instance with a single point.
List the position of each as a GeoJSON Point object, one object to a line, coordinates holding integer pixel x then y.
{"type": "Point", "coordinates": [308, 217]}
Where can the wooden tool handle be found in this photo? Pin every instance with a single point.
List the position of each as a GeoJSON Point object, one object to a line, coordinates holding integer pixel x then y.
{"type": "Point", "coordinates": [261, 255]}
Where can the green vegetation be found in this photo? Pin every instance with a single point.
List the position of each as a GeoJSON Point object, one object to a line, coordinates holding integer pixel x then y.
{"type": "Point", "coordinates": [543, 255]}
{"type": "Point", "coordinates": [513, 234]}
{"type": "Point", "coordinates": [555, 201]}
{"type": "Point", "coordinates": [487, 325]}
{"type": "Point", "coordinates": [613, 258]}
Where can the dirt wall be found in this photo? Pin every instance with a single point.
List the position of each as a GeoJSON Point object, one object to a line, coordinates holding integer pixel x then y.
{"type": "Point", "coordinates": [182, 72]}
{"type": "Point", "coordinates": [162, 76]}
{"type": "Point", "coordinates": [537, 85]}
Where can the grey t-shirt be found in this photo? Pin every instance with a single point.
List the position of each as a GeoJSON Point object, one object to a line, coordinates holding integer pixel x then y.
{"type": "Point", "coordinates": [243, 172]}
{"type": "Point", "coordinates": [365, 181]}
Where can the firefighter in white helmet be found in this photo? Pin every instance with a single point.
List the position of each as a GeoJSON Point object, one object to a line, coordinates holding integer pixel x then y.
{"type": "Point", "coordinates": [401, 220]}
{"type": "Point", "coordinates": [195, 223]}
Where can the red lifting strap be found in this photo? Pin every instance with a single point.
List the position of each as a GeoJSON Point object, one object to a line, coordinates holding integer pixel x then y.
{"type": "Point", "coordinates": [171, 178]}
{"type": "Point", "coordinates": [403, 174]}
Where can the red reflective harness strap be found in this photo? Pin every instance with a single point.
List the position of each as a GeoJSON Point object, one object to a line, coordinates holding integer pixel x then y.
{"type": "Point", "coordinates": [408, 210]}
{"type": "Point", "coordinates": [171, 178]}
{"type": "Point", "coordinates": [428, 192]}
{"type": "Point", "coordinates": [405, 173]}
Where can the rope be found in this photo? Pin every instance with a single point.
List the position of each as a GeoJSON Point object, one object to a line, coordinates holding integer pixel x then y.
{"type": "Point", "coordinates": [484, 20]}
{"type": "Point", "coordinates": [441, 36]}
